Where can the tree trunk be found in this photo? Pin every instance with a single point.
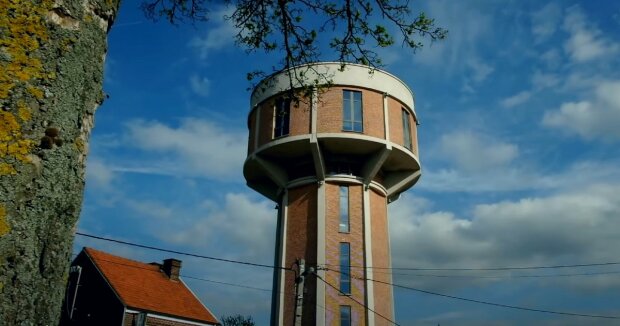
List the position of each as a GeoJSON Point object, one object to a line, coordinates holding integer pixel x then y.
{"type": "Point", "coordinates": [51, 72]}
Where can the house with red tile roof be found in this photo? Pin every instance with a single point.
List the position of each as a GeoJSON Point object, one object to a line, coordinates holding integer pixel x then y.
{"type": "Point", "coordinates": [105, 289]}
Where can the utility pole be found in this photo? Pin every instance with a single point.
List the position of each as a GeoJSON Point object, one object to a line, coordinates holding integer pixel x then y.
{"type": "Point", "coordinates": [299, 291]}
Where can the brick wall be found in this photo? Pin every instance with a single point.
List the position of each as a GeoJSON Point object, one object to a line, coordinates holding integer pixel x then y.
{"type": "Point", "coordinates": [414, 136]}
{"type": "Point", "coordinates": [395, 121]}
{"type": "Point", "coordinates": [373, 113]}
{"type": "Point", "coordinates": [380, 258]}
{"type": "Point", "coordinates": [329, 113]}
{"type": "Point", "coordinates": [300, 118]}
{"type": "Point", "coordinates": [333, 238]}
{"type": "Point", "coordinates": [266, 115]}
{"type": "Point", "coordinates": [301, 242]}
{"type": "Point", "coordinates": [299, 123]}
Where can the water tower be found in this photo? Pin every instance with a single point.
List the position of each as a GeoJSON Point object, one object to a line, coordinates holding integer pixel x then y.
{"type": "Point", "coordinates": [332, 161]}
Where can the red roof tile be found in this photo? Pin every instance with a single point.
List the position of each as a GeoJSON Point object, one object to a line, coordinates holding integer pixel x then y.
{"type": "Point", "coordinates": [144, 287]}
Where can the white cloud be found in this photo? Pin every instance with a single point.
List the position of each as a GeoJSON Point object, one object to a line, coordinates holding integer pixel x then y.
{"type": "Point", "coordinates": [542, 80]}
{"type": "Point", "coordinates": [195, 148]}
{"type": "Point", "coordinates": [245, 227]}
{"type": "Point", "coordinates": [566, 228]}
{"type": "Point", "coordinates": [539, 81]}
{"type": "Point", "coordinates": [466, 25]}
{"type": "Point", "coordinates": [551, 58]}
{"type": "Point", "coordinates": [516, 99]}
{"type": "Point", "coordinates": [598, 117]}
{"type": "Point", "coordinates": [585, 42]}
{"type": "Point", "coordinates": [581, 80]}
{"type": "Point", "coordinates": [480, 70]}
{"type": "Point", "coordinates": [519, 178]}
{"type": "Point", "coordinates": [460, 55]}
{"type": "Point", "coordinates": [217, 37]}
{"type": "Point", "coordinates": [200, 85]}
{"type": "Point", "coordinates": [98, 174]}
{"type": "Point", "coordinates": [545, 21]}
{"type": "Point", "coordinates": [150, 208]}
{"type": "Point", "coordinates": [473, 152]}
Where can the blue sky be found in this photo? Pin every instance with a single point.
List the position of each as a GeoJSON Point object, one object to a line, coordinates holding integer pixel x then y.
{"type": "Point", "coordinates": [520, 109]}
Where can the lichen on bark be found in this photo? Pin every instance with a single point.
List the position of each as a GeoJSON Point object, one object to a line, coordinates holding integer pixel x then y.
{"type": "Point", "coordinates": [51, 72]}
{"type": "Point", "coordinates": [4, 226]}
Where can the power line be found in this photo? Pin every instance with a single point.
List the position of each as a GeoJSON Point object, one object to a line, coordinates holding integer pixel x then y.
{"type": "Point", "coordinates": [186, 276]}
{"type": "Point", "coordinates": [351, 266]}
{"type": "Point", "coordinates": [180, 252]}
{"type": "Point", "coordinates": [387, 283]}
{"type": "Point", "coordinates": [354, 300]}
{"type": "Point", "coordinates": [210, 281]}
{"type": "Point", "coordinates": [480, 301]}
{"type": "Point", "coordinates": [499, 304]}
{"type": "Point", "coordinates": [226, 283]}
{"type": "Point", "coordinates": [481, 268]}
{"type": "Point", "coordinates": [501, 276]}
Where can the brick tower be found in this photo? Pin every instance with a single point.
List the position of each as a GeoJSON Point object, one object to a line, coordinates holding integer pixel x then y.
{"type": "Point", "coordinates": [332, 161]}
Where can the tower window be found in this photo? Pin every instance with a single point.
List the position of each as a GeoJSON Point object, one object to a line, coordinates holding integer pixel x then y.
{"type": "Point", "coordinates": [282, 117]}
{"type": "Point", "coordinates": [344, 209]}
{"type": "Point", "coordinates": [345, 267]}
{"type": "Point", "coordinates": [352, 111]}
{"type": "Point", "coordinates": [406, 129]}
{"type": "Point", "coordinates": [345, 315]}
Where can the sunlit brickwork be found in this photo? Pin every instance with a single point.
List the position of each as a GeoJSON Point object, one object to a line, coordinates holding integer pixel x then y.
{"type": "Point", "coordinates": [307, 169]}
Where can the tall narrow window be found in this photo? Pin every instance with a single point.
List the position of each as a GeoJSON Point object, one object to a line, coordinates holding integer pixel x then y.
{"type": "Point", "coordinates": [352, 111]}
{"type": "Point", "coordinates": [282, 117]}
{"type": "Point", "coordinates": [345, 267]}
{"type": "Point", "coordinates": [406, 129]}
{"type": "Point", "coordinates": [345, 315]}
{"type": "Point", "coordinates": [344, 209]}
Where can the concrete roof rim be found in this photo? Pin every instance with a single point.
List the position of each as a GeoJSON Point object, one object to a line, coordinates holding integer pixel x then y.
{"type": "Point", "coordinates": [327, 64]}
{"type": "Point", "coordinates": [331, 62]}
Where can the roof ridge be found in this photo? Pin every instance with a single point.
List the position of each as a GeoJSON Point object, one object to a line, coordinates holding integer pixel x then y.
{"type": "Point", "coordinates": [120, 257]}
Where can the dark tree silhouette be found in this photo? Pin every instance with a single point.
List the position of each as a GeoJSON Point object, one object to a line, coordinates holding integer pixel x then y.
{"type": "Point", "coordinates": [237, 320]}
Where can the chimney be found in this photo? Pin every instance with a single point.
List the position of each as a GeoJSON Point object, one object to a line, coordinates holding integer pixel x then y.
{"type": "Point", "coordinates": [172, 267]}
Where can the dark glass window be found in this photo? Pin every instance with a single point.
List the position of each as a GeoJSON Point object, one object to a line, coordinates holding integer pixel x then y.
{"type": "Point", "coordinates": [344, 209]}
{"type": "Point", "coordinates": [345, 267]}
{"type": "Point", "coordinates": [345, 315]}
{"type": "Point", "coordinates": [406, 129]}
{"type": "Point", "coordinates": [352, 111]}
{"type": "Point", "coordinates": [282, 117]}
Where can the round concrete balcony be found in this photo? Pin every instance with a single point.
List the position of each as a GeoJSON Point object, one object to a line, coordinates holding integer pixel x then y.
{"type": "Point", "coordinates": [381, 152]}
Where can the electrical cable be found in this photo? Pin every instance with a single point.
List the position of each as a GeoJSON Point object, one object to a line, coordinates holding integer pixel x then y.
{"type": "Point", "coordinates": [351, 266]}
{"type": "Point", "coordinates": [480, 301]}
{"type": "Point", "coordinates": [501, 276]}
{"type": "Point", "coordinates": [180, 252]}
{"type": "Point", "coordinates": [225, 283]}
{"type": "Point", "coordinates": [354, 300]}
{"type": "Point", "coordinates": [186, 276]}
{"type": "Point", "coordinates": [387, 283]}
{"type": "Point", "coordinates": [481, 268]}
{"type": "Point", "coordinates": [210, 281]}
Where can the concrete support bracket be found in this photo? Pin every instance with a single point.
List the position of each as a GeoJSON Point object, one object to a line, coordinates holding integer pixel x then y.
{"type": "Point", "coordinates": [317, 156]}
{"type": "Point", "coordinates": [397, 181]}
{"type": "Point", "coordinates": [374, 164]}
{"type": "Point", "coordinates": [275, 173]}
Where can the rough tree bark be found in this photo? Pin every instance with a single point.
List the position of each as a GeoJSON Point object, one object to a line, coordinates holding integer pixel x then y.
{"type": "Point", "coordinates": [51, 72]}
